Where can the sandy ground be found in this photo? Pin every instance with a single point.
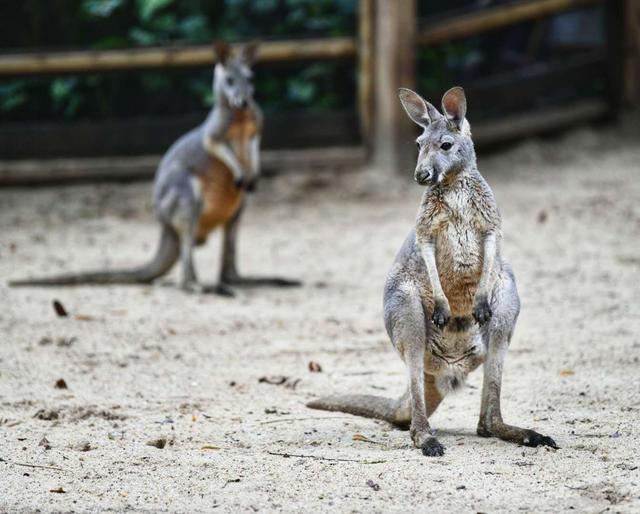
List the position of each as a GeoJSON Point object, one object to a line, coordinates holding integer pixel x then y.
{"type": "Point", "coordinates": [146, 363]}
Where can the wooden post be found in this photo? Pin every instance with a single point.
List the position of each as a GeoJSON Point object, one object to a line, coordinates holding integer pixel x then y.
{"type": "Point", "coordinates": [365, 70]}
{"type": "Point", "coordinates": [394, 134]}
{"type": "Point", "coordinates": [632, 53]}
{"type": "Point", "coordinates": [615, 10]}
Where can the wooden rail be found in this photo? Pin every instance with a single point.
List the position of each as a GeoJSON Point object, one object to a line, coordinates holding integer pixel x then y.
{"type": "Point", "coordinates": [82, 62]}
{"type": "Point", "coordinates": [493, 18]}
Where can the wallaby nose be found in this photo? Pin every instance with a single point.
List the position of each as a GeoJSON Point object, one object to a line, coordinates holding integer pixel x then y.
{"type": "Point", "coordinates": [422, 176]}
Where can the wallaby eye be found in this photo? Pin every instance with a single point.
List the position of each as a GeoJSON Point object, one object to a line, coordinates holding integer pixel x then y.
{"type": "Point", "coordinates": [418, 145]}
{"type": "Point", "coordinates": [230, 81]}
{"type": "Point", "coordinates": [446, 145]}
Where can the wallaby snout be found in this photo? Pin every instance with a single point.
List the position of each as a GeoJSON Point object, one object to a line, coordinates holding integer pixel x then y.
{"type": "Point", "coordinates": [426, 174]}
{"type": "Point", "coordinates": [422, 176]}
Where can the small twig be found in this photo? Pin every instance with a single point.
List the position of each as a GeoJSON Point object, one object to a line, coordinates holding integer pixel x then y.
{"type": "Point", "coordinates": [581, 488]}
{"type": "Point", "coordinates": [268, 421]}
{"type": "Point", "coordinates": [319, 457]}
{"type": "Point", "coordinates": [26, 465]}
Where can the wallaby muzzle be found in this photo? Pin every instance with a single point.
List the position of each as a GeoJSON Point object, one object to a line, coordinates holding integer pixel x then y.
{"type": "Point", "coordinates": [424, 176]}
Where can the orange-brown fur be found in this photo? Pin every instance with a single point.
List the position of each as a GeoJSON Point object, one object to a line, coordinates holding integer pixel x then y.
{"type": "Point", "coordinates": [221, 199]}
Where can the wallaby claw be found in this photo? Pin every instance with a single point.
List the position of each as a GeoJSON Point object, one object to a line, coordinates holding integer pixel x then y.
{"type": "Point", "coordinates": [441, 315]}
{"type": "Point", "coordinates": [432, 448]}
{"type": "Point", "coordinates": [535, 439]}
{"type": "Point", "coordinates": [482, 311]}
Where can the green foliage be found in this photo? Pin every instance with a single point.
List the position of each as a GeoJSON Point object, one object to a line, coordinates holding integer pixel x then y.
{"type": "Point", "coordinates": [100, 8]}
{"type": "Point", "coordinates": [12, 95]}
{"type": "Point", "coordinates": [115, 24]}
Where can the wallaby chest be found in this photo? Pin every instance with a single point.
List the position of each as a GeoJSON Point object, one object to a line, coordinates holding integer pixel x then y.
{"type": "Point", "coordinates": [219, 195]}
{"type": "Point", "coordinates": [452, 219]}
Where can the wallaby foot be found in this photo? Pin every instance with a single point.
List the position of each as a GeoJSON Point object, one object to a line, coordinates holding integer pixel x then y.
{"type": "Point", "coordinates": [423, 439]}
{"type": "Point", "coordinates": [432, 448]}
{"type": "Point", "coordinates": [217, 289]}
{"type": "Point", "coordinates": [260, 281]}
{"type": "Point", "coordinates": [523, 436]}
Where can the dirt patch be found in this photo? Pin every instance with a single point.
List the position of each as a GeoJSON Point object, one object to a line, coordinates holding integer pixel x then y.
{"type": "Point", "coordinates": [187, 369]}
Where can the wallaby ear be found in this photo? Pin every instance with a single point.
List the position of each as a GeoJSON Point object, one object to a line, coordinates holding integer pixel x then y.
{"type": "Point", "coordinates": [418, 109]}
{"type": "Point", "coordinates": [223, 51]}
{"type": "Point", "coordinates": [249, 52]}
{"type": "Point", "coordinates": [454, 106]}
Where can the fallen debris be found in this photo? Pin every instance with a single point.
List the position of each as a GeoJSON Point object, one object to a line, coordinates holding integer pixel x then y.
{"type": "Point", "coordinates": [61, 384]}
{"type": "Point", "coordinates": [59, 308]}
{"type": "Point", "coordinates": [58, 490]}
{"type": "Point", "coordinates": [314, 367]}
{"type": "Point", "coordinates": [373, 485]}
{"type": "Point", "coordinates": [364, 439]}
{"type": "Point", "coordinates": [157, 443]}
{"type": "Point", "coordinates": [45, 443]}
{"type": "Point", "coordinates": [47, 414]}
{"type": "Point", "coordinates": [288, 382]}
{"type": "Point", "coordinates": [319, 457]}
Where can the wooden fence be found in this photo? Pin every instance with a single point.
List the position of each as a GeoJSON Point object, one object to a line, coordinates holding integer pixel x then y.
{"type": "Point", "coordinates": [384, 50]}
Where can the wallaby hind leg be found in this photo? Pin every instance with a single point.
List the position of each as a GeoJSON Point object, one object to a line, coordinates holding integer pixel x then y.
{"type": "Point", "coordinates": [229, 273]}
{"type": "Point", "coordinates": [409, 335]}
{"type": "Point", "coordinates": [505, 306]}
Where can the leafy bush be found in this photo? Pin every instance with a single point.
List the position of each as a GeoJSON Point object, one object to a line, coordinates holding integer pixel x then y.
{"type": "Point", "coordinates": [115, 24]}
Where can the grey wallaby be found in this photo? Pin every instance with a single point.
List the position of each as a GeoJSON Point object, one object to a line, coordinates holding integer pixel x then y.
{"type": "Point", "coordinates": [450, 299]}
{"type": "Point", "coordinates": [200, 185]}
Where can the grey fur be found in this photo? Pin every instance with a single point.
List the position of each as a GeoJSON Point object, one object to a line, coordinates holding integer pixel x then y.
{"type": "Point", "coordinates": [450, 299]}
{"type": "Point", "coordinates": [177, 194]}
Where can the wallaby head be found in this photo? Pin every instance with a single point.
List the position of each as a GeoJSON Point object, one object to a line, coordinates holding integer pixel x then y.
{"type": "Point", "coordinates": [232, 78]}
{"type": "Point", "coordinates": [445, 146]}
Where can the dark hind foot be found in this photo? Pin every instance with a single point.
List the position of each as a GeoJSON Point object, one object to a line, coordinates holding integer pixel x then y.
{"type": "Point", "coordinates": [219, 289]}
{"type": "Point", "coordinates": [432, 448]}
{"type": "Point", "coordinates": [262, 282]}
{"type": "Point", "coordinates": [522, 436]}
{"type": "Point", "coordinates": [534, 439]}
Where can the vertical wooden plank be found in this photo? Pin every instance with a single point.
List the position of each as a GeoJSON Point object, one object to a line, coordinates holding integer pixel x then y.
{"type": "Point", "coordinates": [632, 52]}
{"type": "Point", "coordinates": [615, 53]}
{"type": "Point", "coordinates": [365, 70]}
{"type": "Point", "coordinates": [395, 31]}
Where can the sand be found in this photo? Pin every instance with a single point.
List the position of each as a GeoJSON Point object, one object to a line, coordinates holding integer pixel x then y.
{"type": "Point", "coordinates": [143, 363]}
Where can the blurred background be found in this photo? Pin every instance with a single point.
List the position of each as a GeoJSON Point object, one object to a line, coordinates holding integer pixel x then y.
{"type": "Point", "coordinates": [98, 78]}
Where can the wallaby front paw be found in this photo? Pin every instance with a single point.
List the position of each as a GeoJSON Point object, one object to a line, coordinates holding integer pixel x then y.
{"type": "Point", "coordinates": [482, 311]}
{"type": "Point", "coordinates": [533, 438]}
{"type": "Point", "coordinates": [251, 186]}
{"type": "Point", "coordinates": [432, 448]}
{"type": "Point", "coordinates": [441, 314]}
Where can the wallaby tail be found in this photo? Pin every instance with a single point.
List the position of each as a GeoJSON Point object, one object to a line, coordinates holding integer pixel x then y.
{"type": "Point", "coordinates": [393, 411]}
{"type": "Point", "coordinates": [165, 257]}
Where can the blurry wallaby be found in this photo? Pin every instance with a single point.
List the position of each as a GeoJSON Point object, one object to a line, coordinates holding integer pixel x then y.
{"type": "Point", "coordinates": [200, 185]}
{"type": "Point", "coordinates": [450, 299]}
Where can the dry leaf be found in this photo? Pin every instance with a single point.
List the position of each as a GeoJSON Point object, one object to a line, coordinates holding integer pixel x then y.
{"type": "Point", "coordinates": [157, 443]}
{"type": "Point", "coordinates": [567, 372]}
{"type": "Point", "coordinates": [61, 384]}
{"type": "Point", "coordinates": [84, 317]}
{"type": "Point", "coordinates": [59, 490]}
{"type": "Point", "coordinates": [210, 447]}
{"type": "Point", "coordinates": [59, 308]}
{"type": "Point", "coordinates": [314, 367]}
{"type": "Point", "coordinates": [364, 439]}
{"type": "Point", "coordinates": [194, 418]}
